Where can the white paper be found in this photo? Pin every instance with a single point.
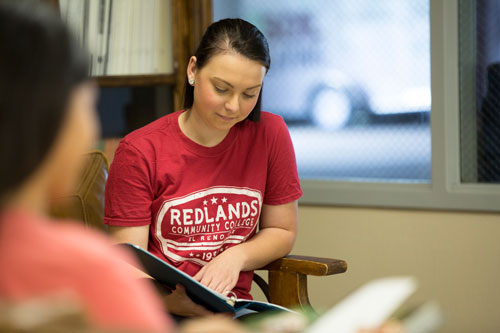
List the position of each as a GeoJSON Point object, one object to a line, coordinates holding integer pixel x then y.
{"type": "Point", "coordinates": [368, 307]}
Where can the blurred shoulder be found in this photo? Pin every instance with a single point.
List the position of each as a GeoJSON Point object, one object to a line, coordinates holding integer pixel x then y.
{"type": "Point", "coordinates": [92, 248]}
{"type": "Point", "coordinates": [152, 131]}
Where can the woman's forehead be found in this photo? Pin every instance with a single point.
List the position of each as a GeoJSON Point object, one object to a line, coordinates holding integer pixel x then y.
{"type": "Point", "coordinates": [235, 69]}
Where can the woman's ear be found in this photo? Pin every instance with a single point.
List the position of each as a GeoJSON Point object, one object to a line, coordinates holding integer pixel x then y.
{"type": "Point", "coordinates": [191, 70]}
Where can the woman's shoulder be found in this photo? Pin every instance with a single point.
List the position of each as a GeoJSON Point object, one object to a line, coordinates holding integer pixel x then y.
{"type": "Point", "coordinates": [268, 132]}
{"type": "Point", "coordinates": [271, 119]}
{"type": "Point", "coordinates": [149, 138]}
{"type": "Point", "coordinates": [269, 122]}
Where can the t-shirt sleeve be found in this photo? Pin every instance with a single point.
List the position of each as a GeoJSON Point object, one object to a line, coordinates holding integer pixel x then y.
{"type": "Point", "coordinates": [129, 193]}
{"type": "Point", "coordinates": [282, 184]}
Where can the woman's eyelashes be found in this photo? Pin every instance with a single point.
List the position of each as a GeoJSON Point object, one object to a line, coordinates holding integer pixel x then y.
{"type": "Point", "coordinates": [220, 90]}
{"type": "Point", "coordinates": [223, 91]}
{"type": "Point", "coordinates": [248, 95]}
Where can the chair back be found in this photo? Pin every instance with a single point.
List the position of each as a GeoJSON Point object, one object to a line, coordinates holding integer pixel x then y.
{"type": "Point", "coordinates": [87, 203]}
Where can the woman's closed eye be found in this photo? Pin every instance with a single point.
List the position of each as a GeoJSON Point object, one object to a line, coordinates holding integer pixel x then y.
{"type": "Point", "coordinates": [223, 91]}
{"type": "Point", "coordinates": [220, 90]}
{"type": "Point", "coordinates": [249, 95]}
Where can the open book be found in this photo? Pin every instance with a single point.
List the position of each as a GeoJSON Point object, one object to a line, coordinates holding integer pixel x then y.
{"type": "Point", "coordinates": [367, 307]}
{"type": "Point", "coordinates": [213, 301]}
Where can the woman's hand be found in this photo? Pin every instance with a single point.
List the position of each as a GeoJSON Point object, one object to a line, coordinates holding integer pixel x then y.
{"type": "Point", "coordinates": [179, 303]}
{"type": "Point", "coordinates": [222, 273]}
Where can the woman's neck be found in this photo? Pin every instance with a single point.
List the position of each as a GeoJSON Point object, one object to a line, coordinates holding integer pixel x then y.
{"type": "Point", "coordinates": [30, 198]}
{"type": "Point", "coordinates": [199, 131]}
{"type": "Point", "coordinates": [32, 195]}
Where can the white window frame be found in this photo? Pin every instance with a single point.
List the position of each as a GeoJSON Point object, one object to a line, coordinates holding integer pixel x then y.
{"type": "Point", "coordinates": [446, 191]}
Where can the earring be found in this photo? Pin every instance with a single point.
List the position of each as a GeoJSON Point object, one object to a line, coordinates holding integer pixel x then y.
{"type": "Point", "coordinates": [191, 82]}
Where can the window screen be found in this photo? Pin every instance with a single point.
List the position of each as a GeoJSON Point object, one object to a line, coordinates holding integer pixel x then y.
{"type": "Point", "coordinates": [479, 57]}
{"type": "Point", "coordinates": [352, 81]}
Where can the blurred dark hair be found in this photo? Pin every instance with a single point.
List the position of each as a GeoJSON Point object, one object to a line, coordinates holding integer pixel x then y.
{"type": "Point", "coordinates": [231, 35]}
{"type": "Point", "coordinates": [40, 65]}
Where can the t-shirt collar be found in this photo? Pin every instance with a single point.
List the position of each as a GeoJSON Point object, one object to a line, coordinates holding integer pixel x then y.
{"type": "Point", "coordinates": [197, 148]}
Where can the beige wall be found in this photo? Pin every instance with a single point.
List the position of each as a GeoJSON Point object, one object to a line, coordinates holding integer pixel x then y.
{"type": "Point", "coordinates": [455, 257]}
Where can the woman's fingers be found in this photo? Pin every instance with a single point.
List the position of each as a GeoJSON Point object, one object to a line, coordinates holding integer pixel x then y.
{"type": "Point", "coordinates": [207, 280]}
{"type": "Point", "coordinates": [219, 282]}
{"type": "Point", "coordinates": [223, 286]}
{"type": "Point", "coordinates": [198, 276]}
{"type": "Point", "coordinates": [204, 277]}
{"type": "Point", "coordinates": [220, 274]}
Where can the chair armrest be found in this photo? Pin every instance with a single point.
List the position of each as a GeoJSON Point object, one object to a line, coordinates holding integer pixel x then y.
{"type": "Point", "coordinates": [307, 265]}
{"type": "Point", "coordinates": [288, 278]}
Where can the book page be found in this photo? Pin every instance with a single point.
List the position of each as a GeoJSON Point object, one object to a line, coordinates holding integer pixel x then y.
{"type": "Point", "coordinates": [366, 308]}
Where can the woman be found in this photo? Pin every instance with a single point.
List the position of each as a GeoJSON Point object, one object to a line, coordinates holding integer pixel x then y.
{"type": "Point", "coordinates": [193, 186]}
{"type": "Point", "coordinates": [47, 122]}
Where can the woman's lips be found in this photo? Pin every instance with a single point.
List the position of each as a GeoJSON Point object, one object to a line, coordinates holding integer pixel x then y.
{"type": "Point", "coordinates": [225, 118]}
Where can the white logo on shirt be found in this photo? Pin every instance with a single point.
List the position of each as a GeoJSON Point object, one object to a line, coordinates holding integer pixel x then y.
{"type": "Point", "coordinates": [200, 225]}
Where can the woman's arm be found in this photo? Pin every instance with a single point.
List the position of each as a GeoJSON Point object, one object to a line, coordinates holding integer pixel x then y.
{"type": "Point", "coordinates": [135, 235]}
{"type": "Point", "coordinates": [278, 230]}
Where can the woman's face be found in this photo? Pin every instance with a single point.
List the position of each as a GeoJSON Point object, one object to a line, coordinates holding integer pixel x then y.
{"type": "Point", "coordinates": [226, 89]}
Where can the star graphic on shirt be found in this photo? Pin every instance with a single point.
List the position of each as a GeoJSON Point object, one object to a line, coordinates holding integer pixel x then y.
{"type": "Point", "coordinates": [224, 200]}
{"type": "Point", "coordinates": [214, 200]}
{"type": "Point", "coordinates": [191, 254]}
{"type": "Point", "coordinates": [205, 202]}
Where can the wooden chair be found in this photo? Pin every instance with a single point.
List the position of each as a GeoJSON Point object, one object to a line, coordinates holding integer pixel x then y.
{"type": "Point", "coordinates": [287, 276]}
{"type": "Point", "coordinates": [87, 203]}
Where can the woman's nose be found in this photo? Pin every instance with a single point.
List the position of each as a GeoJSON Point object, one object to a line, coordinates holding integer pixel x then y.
{"type": "Point", "coordinates": [232, 104]}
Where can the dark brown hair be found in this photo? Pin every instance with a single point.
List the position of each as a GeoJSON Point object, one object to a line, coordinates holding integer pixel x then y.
{"type": "Point", "coordinates": [39, 66]}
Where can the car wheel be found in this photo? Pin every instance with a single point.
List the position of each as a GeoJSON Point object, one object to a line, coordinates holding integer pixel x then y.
{"type": "Point", "coordinates": [331, 109]}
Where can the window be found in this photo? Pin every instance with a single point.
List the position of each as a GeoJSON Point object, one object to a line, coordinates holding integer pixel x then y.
{"type": "Point", "coordinates": [388, 149]}
{"type": "Point", "coordinates": [352, 80]}
{"type": "Point", "coordinates": [479, 39]}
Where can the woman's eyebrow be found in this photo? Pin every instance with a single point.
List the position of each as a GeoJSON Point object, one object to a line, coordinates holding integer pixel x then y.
{"type": "Point", "coordinates": [229, 84]}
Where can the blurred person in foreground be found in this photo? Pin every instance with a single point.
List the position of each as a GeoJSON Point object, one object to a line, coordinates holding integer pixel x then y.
{"type": "Point", "coordinates": [47, 122]}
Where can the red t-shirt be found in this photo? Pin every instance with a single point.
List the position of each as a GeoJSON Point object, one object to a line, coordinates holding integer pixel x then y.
{"type": "Point", "coordinates": [200, 200]}
{"type": "Point", "coordinates": [40, 258]}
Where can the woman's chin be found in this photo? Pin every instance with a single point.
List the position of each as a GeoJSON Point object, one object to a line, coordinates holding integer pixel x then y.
{"type": "Point", "coordinates": [223, 124]}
